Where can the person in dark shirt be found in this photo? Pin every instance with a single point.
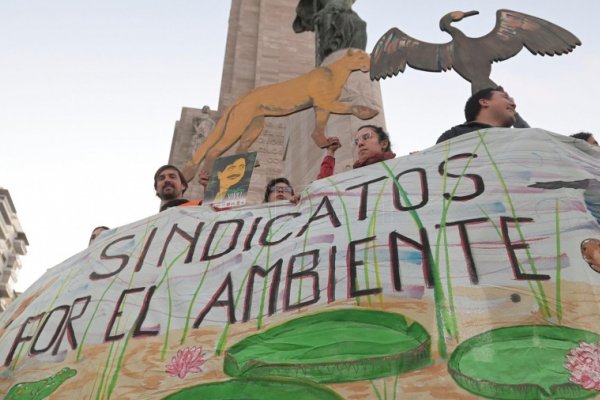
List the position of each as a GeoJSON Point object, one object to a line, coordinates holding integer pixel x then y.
{"type": "Point", "coordinates": [488, 108]}
{"type": "Point", "coordinates": [170, 185]}
{"type": "Point", "coordinates": [586, 136]}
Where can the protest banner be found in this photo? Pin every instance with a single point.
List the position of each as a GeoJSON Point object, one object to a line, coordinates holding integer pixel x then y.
{"type": "Point", "coordinates": [465, 270]}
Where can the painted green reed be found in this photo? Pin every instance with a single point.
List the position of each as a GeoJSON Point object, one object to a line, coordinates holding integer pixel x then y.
{"type": "Point", "coordinates": [383, 393]}
{"type": "Point", "coordinates": [112, 281]}
{"type": "Point", "coordinates": [557, 294]}
{"type": "Point", "coordinates": [222, 342]}
{"type": "Point", "coordinates": [499, 233]}
{"type": "Point", "coordinates": [105, 387]}
{"type": "Point", "coordinates": [186, 328]}
{"type": "Point", "coordinates": [263, 294]}
{"type": "Point", "coordinates": [304, 245]}
{"type": "Point", "coordinates": [348, 230]}
{"type": "Point", "coordinates": [438, 291]}
{"type": "Point", "coordinates": [73, 272]}
{"type": "Point", "coordinates": [371, 232]}
{"type": "Point", "coordinates": [450, 320]}
{"type": "Point", "coordinates": [165, 277]}
{"type": "Point", "coordinates": [539, 293]}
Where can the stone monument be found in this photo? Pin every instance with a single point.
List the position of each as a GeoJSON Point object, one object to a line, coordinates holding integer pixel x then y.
{"type": "Point", "coordinates": [263, 49]}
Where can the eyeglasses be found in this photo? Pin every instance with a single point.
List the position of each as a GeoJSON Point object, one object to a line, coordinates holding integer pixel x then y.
{"type": "Point", "coordinates": [363, 138]}
{"type": "Point", "coordinates": [283, 189]}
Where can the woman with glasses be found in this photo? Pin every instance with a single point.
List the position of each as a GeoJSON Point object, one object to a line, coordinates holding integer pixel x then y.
{"type": "Point", "coordinates": [372, 144]}
{"type": "Point", "coordinates": [280, 189]}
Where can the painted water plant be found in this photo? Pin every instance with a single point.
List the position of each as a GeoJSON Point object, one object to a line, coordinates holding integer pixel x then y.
{"type": "Point", "coordinates": [583, 363]}
{"type": "Point", "coordinates": [528, 362]}
{"type": "Point", "coordinates": [275, 388]}
{"type": "Point", "coordinates": [335, 346]}
{"type": "Point", "coordinates": [188, 360]}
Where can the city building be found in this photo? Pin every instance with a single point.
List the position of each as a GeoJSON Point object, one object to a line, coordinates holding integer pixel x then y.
{"type": "Point", "coordinates": [13, 243]}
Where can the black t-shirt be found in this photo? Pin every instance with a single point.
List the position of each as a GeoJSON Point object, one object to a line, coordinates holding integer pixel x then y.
{"type": "Point", "coordinates": [461, 130]}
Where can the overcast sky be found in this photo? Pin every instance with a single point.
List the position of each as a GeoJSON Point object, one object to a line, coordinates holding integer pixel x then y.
{"type": "Point", "coordinates": [90, 92]}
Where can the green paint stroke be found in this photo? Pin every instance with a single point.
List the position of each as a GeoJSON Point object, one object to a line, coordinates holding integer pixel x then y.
{"type": "Point", "coordinates": [376, 391]}
{"type": "Point", "coordinates": [371, 231]}
{"type": "Point", "coordinates": [259, 320]}
{"type": "Point", "coordinates": [449, 316]}
{"type": "Point", "coordinates": [304, 245]}
{"type": "Point", "coordinates": [107, 367]}
{"type": "Point", "coordinates": [499, 233]}
{"type": "Point", "coordinates": [106, 386]}
{"type": "Point", "coordinates": [539, 293]}
{"type": "Point", "coordinates": [451, 322]}
{"type": "Point", "coordinates": [348, 230]}
{"type": "Point", "coordinates": [41, 389]}
{"type": "Point", "coordinates": [100, 301]}
{"type": "Point", "coordinates": [117, 372]}
{"type": "Point", "coordinates": [72, 272]}
{"type": "Point", "coordinates": [438, 291]}
{"type": "Point", "coordinates": [197, 292]}
{"type": "Point", "coordinates": [222, 342]}
{"type": "Point", "coordinates": [164, 278]}
{"type": "Point", "coordinates": [384, 396]}
{"type": "Point", "coordinates": [558, 266]}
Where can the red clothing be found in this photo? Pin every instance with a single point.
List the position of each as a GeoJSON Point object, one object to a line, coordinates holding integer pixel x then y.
{"type": "Point", "coordinates": [327, 166]}
{"type": "Point", "coordinates": [328, 163]}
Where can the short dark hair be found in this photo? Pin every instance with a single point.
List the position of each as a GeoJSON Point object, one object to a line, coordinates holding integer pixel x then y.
{"type": "Point", "coordinates": [473, 107]}
{"type": "Point", "coordinates": [582, 135]}
{"type": "Point", "coordinates": [381, 135]}
{"type": "Point", "coordinates": [169, 166]}
{"type": "Point", "coordinates": [92, 237]}
{"type": "Point", "coordinates": [274, 182]}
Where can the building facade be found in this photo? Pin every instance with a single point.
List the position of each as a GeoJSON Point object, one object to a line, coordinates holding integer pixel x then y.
{"type": "Point", "coordinates": [13, 243]}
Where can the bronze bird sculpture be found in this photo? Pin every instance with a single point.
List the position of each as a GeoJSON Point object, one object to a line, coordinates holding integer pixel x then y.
{"type": "Point", "coordinates": [471, 58]}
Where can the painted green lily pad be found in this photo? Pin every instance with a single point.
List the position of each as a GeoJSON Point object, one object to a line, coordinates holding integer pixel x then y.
{"type": "Point", "coordinates": [336, 346]}
{"type": "Point", "coordinates": [257, 389]}
{"type": "Point", "coordinates": [520, 362]}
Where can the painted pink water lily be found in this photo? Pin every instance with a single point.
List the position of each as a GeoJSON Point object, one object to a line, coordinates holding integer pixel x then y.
{"type": "Point", "coordinates": [583, 362]}
{"type": "Point", "coordinates": [187, 361]}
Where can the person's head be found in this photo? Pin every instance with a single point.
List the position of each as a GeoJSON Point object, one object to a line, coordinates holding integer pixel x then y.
{"type": "Point", "coordinates": [278, 189]}
{"type": "Point", "coordinates": [96, 232]}
{"type": "Point", "coordinates": [370, 141]}
{"type": "Point", "coordinates": [492, 106]}
{"type": "Point", "coordinates": [588, 137]}
{"type": "Point", "coordinates": [169, 183]}
{"type": "Point", "coordinates": [232, 173]}
{"type": "Point", "coordinates": [590, 251]}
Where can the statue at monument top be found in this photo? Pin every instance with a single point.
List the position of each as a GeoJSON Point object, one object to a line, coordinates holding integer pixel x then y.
{"type": "Point", "coordinates": [203, 125]}
{"type": "Point", "coordinates": [471, 58]}
{"type": "Point", "coordinates": [335, 24]}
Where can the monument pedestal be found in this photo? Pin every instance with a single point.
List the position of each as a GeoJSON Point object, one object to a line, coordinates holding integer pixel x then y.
{"type": "Point", "coordinates": [302, 157]}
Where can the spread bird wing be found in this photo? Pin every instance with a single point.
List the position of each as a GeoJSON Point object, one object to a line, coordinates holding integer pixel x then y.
{"type": "Point", "coordinates": [395, 49]}
{"type": "Point", "coordinates": [514, 30]}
